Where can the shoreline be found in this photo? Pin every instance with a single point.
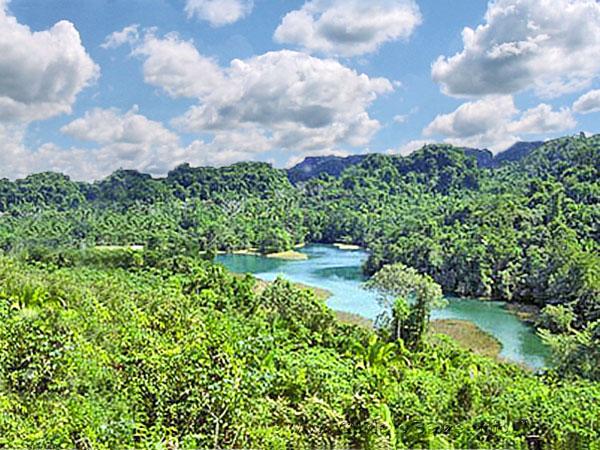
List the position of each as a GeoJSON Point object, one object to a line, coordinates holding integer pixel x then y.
{"type": "Point", "coordinates": [524, 311]}
{"type": "Point", "coordinates": [468, 336]}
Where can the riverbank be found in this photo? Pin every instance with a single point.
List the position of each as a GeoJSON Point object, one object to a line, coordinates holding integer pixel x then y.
{"type": "Point", "coordinates": [109, 248]}
{"type": "Point", "coordinates": [290, 255]}
{"type": "Point", "coordinates": [526, 312]}
{"type": "Point", "coordinates": [340, 273]}
{"type": "Point", "coordinates": [468, 336]}
{"type": "Point", "coordinates": [321, 294]}
{"type": "Point", "coordinates": [353, 319]}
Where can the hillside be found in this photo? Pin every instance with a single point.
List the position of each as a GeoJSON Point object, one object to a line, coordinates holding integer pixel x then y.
{"type": "Point", "coordinates": [315, 166]}
{"type": "Point", "coordinates": [160, 346]}
{"type": "Point", "coordinates": [135, 349]}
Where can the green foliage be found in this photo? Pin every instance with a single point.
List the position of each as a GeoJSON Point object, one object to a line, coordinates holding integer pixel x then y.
{"type": "Point", "coordinates": [398, 286]}
{"type": "Point", "coordinates": [524, 232]}
{"type": "Point", "coordinates": [102, 345]}
{"type": "Point", "coordinates": [557, 319]}
{"type": "Point", "coordinates": [576, 352]}
{"type": "Point", "coordinates": [178, 353]}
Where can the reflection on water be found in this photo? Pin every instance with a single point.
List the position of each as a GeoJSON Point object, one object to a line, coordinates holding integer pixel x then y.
{"type": "Point", "coordinates": [339, 272]}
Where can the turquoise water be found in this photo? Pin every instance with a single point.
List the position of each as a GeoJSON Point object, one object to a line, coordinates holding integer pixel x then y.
{"type": "Point", "coordinates": [339, 272]}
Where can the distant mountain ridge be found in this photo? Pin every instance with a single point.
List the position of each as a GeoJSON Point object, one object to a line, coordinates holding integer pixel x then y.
{"type": "Point", "coordinates": [314, 166]}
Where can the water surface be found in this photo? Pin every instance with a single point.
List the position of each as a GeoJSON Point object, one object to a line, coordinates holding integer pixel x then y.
{"type": "Point", "coordinates": [339, 272]}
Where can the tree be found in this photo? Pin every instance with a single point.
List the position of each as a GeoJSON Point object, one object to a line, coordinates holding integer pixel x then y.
{"type": "Point", "coordinates": [410, 297]}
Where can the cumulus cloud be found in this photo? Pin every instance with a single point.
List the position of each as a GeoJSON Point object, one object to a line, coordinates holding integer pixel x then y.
{"type": "Point", "coordinates": [291, 99]}
{"type": "Point", "coordinates": [128, 35]}
{"type": "Point", "coordinates": [18, 161]}
{"type": "Point", "coordinates": [542, 119]}
{"type": "Point", "coordinates": [110, 126]}
{"type": "Point", "coordinates": [300, 101]}
{"type": "Point", "coordinates": [122, 141]}
{"type": "Point", "coordinates": [549, 45]}
{"type": "Point", "coordinates": [409, 147]}
{"type": "Point", "coordinates": [348, 27]}
{"type": "Point", "coordinates": [42, 72]}
{"type": "Point", "coordinates": [176, 66]}
{"type": "Point", "coordinates": [495, 123]}
{"type": "Point", "coordinates": [219, 12]}
{"type": "Point", "coordinates": [131, 140]}
{"type": "Point", "coordinates": [588, 103]}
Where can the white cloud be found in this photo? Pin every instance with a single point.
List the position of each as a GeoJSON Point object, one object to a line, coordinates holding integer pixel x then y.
{"type": "Point", "coordinates": [128, 35]}
{"type": "Point", "coordinates": [542, 119]}
{"type": "Point", "coordinates": [409, 147]}
{"type": "Point", "coordinates": [495, 123]}
{"type": "Point", "coordinates": [128, 140]}
{"type": "Point", "coordinates": [176, 66]}
{"type": "Point", "coordinates": [348, 27]}
{"type": "Point", "coordinates": [105, 126]}
{"type": "Point", "coordinates": [219, 12]}
{"type": "Point", "coordinates": [549, 45]}
{"type": "Point", "coordinates": [123, 140]}
{"type": "Point", "coordinates": [293, 100]}
{"type": "Point", "coordinates": [400, 118]}
{"type": "Point", "coordinates": [588, 103]}
{"type": "Point", "coordinates": [473, 118]}
{"type": "Point", "coordinates": [299, 101]}
{"type": "Point", "coordinates": [41, 72]}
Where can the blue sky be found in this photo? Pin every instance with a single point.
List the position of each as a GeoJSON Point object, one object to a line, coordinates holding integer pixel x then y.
{"type": "Point", "coordinates": [213, 82]}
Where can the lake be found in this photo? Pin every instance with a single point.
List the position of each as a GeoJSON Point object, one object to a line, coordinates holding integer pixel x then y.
{"type": "Point", "coordinates": [340, 272]}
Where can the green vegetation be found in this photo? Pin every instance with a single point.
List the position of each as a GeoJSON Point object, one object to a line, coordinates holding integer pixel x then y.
{"type": "Point", "coordinates": [117, 330]}
{"type": "Point", "coordinates": [174, 352]}
{"type": "Point", "coordinates": [409, 297]}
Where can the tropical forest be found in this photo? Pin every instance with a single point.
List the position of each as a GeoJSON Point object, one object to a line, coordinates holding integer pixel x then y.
{"type": "Point", "coordinates": [299, 225]}
{"type": "Point", "coordinates": [120, 327]}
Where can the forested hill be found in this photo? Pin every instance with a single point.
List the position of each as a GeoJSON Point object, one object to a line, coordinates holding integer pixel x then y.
{"type": "Point", "coordinates": [126, 187]}
{"type": "Point", "coordinates": [526, 231]}
{"type": "Point", "coordinates": [315, 166]}
{"type": "Point", "coordinates": [103, 345]}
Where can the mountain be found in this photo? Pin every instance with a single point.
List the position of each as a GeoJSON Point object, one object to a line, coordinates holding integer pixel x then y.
{"type": "Point", "coordinates": [515, 153]}
{"type": "Point", "coordinates": [313, 166]}
{"type": "Point", "coordinates": [484, 158]}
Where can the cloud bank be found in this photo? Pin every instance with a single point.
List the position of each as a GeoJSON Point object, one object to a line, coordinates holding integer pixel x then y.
{"type": "Point", "coordinates": [551, 46]}
{"type": "Point", "coordinates": [495, 123]}
{"type": "Point", "coordinates": [348, 27]}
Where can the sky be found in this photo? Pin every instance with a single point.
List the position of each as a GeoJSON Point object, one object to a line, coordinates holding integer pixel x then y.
{"type": "Point", "coordinates": [91, 86]}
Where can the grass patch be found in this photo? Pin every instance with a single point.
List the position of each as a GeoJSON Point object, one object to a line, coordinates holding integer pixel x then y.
{"type": "Point", "coordinates": [353, 319]}
{"type": "Point", "coordinates": [468, 336]}
{"type": "Point", "coordinates": [261, 285]}
{"type": "Point", "coordinates": [290, 255]}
